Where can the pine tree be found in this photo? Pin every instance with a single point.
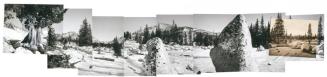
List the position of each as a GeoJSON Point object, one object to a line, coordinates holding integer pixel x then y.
{"type": "Point", "coordinates": [268, 33]}
{"type": "Point", "coordinates": [256, 34]}
{"type": "Point", "coordinates": [127, 35]}
{"type": "Point", "coordinates": [152, 34]}
{"type": "Point", "coordinates": [252, 34]}
{"type": "Point", "coordinates": [117, 47]}
{"type": "Point", "coordinates": [198, 39]}
{"type": "Point", "coordinates": [279, 30]}
{"type": "Point", "coordinates": [85, 34]}
{"type": "Point", "coordinates": [146, 34]}
{"type": "Point", "coordinates": [174, 32]}
{"type": "Point", "coordinates": [51, 37]}
{"type": "Point", "coordinates": [158, 32]}
{"type": "Point", "coordinates": [320, 31]}
{"type": "Point", "coordinates": [262, 34]}
{"type": "Point", "coordinates": [309, 33]}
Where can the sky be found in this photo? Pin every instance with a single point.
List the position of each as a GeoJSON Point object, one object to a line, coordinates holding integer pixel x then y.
{"type": "Point", "coordinates": [73, 19]}
{"type": "Point", "coordinates": [299, 26]}
{"type": "Point", "coordinates": [180, 20]}
{"type": "Point", "coordinates": [252, 18]}
{"type": "Point", "coordinates": [133, 24]}
{"type": "Point", "coordinates": [58, 27]}
{"type": "Point", "coordinates": [106, 28]}
{"type": "Point", "coordinates": [212, 22]}
{"type": "Point", "coordinates": [308, 17]}
{"type": "Point", "coordinates": [216, 22]}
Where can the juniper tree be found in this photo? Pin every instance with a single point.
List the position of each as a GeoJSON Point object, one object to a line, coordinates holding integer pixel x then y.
{"type": "Point", "coordinates": [42, 16]}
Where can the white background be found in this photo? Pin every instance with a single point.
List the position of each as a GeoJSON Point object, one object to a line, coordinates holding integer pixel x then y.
{"type": "Point", "coordinates": [15, 65]}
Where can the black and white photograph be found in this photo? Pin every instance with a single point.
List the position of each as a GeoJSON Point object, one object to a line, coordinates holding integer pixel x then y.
{"type": "Point", "coordinates": [107, 36]}
{"type": "Point", "coordinates": [232, 47]}
{"type": "Point", "coordinates": [72, 45]}
{"type": "Point", "coordinates": [297, 37]}
{"type": "Point", "coordinates": [30, 28]}
{"type": "Point", "coordinates": [137, 29]}
{"type": "Point", "coordinates": [177, 35]}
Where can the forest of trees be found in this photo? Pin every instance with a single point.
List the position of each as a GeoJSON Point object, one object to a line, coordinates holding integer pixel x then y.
{"type": "Point", "coordinates": [260, 33]}
{"type": "Point", "coordinates": [173, 35]}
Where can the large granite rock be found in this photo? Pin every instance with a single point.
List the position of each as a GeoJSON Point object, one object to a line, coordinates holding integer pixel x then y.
{"type": "Point", "coordinates": [233, 49]}
{"type": "Point", "coordinates": [157, 61]}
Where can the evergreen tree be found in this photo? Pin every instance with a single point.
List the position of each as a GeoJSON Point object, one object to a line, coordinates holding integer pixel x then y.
{"type": "Point", "coordinates": [42, 16]}
{"type": "Point", "coordinates": [85, 34]}
{"type": "Point", "coordinates": [117, 47]}
{"type": "Point", "coordinates": [51, 37]}
{"type": "Point", "coordinates": [309, 33]}
{"type": "Point", "coordinates": [256, 34]}
{"type": "Point", "coordinates": [252, 34]}
{"type": "Point", "coordinates": [146, 34]}
{"type": "Point", "coordinates": [152, 34]}
{"type": "Point", "coordinates": [279, 30]}
{"type": "Point", "coordinates": [127, 35]}
{"type": "Point", "coordinates": [158, 32]}
{"type": "Point", "coordinates": [320, 31]}
{"type": "Point", "coordinates": [262, 34]}
{"type": "Point", "coordinates": [174, 33]}
{"type": "Point", "coordinates": [268, 33]}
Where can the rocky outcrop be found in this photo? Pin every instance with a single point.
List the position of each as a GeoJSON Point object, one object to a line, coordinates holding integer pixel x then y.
{"type": "Point", "coordinates": [306, 47]}
{"type": "Point", "coordinates": [157, 61]}
{"type": "Point", "coordinates": [233, 51]}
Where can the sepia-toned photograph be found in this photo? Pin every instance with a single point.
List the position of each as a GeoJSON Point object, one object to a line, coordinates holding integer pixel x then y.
{"type": "Point", "coordinates": [297, 36]}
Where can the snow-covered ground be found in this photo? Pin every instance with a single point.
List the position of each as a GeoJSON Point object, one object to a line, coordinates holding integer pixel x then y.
{"type": "Point", "coordinates": [184, 59]}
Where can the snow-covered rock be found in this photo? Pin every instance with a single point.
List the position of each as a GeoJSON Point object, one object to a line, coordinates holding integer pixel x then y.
{"type": "Point", "coordinates": [22, 50]}
{"type": "Point", "coordinates": [7, 48]}
{"type": "Point", "coordinates": [234, 49]}
{"type": "Point", "coordinates": [157, 61]}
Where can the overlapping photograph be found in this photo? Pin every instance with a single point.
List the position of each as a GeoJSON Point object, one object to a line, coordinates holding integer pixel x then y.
{"type": "Point", "coordinates": [168, 44]}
